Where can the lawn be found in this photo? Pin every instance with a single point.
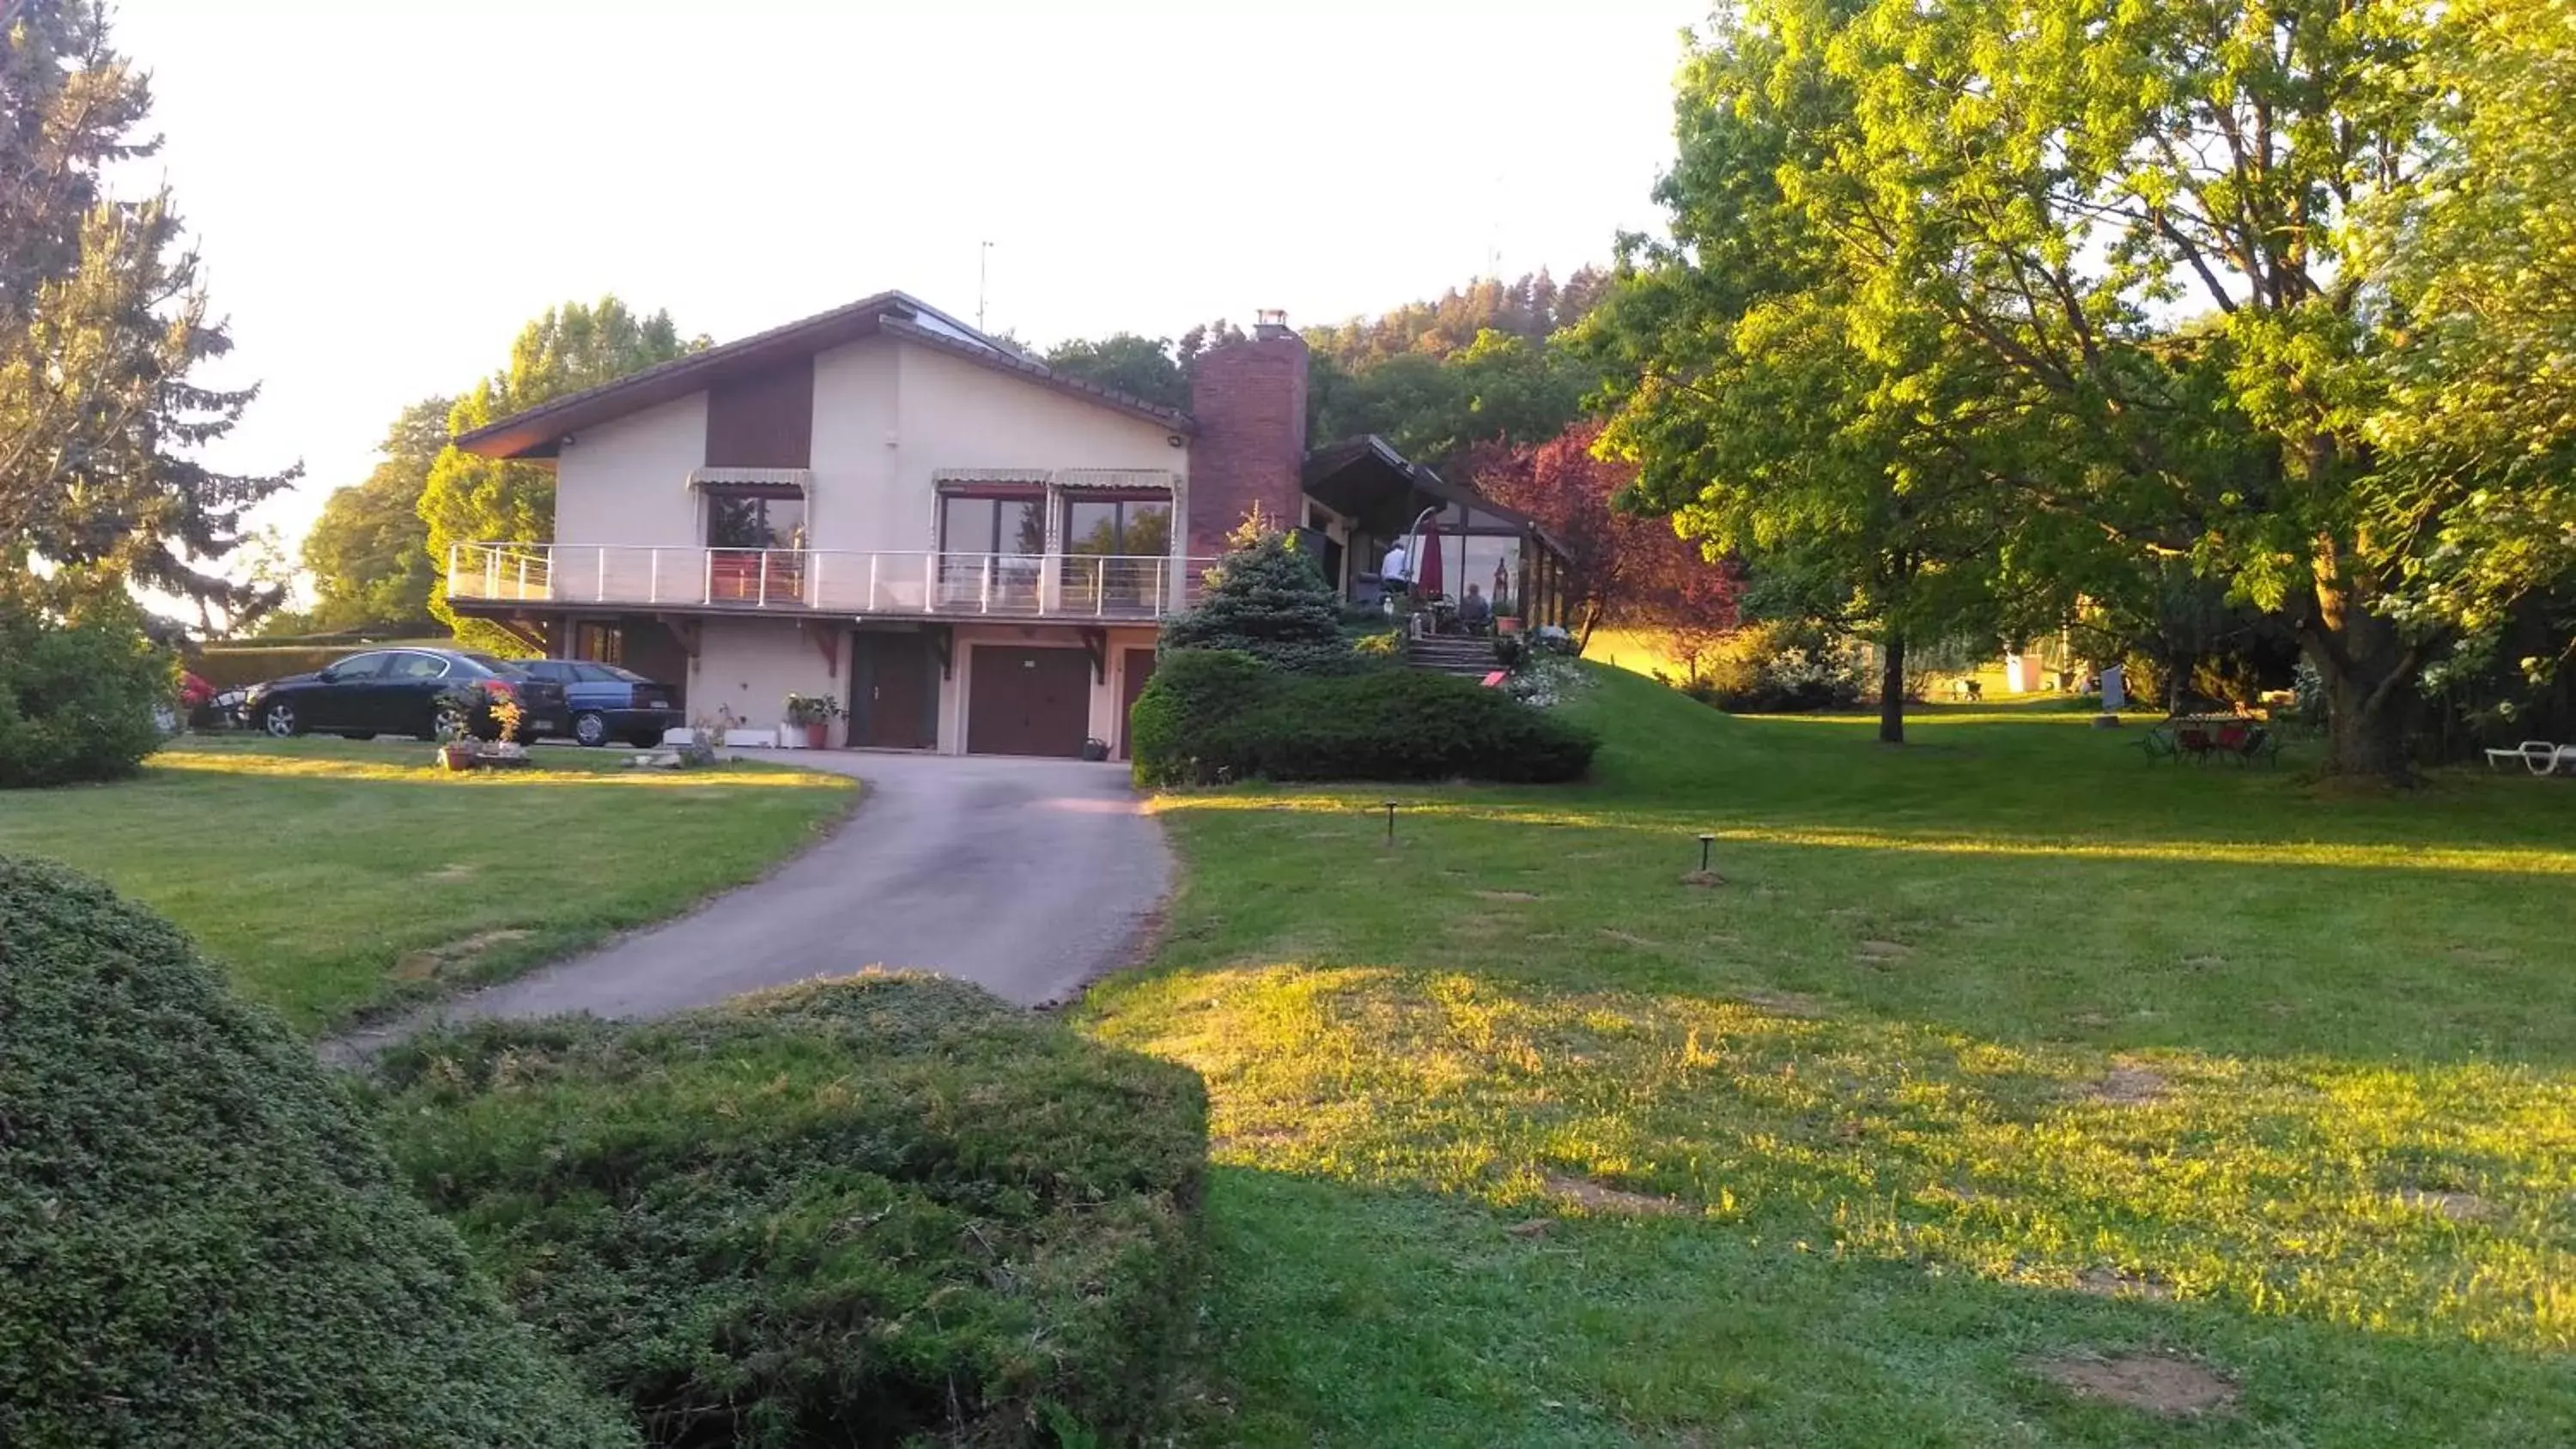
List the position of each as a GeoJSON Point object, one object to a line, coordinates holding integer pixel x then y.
{"type": "Point", "coordinates": [1996, 1072]}
{"type": "Point", "coordinates": [333, 877]}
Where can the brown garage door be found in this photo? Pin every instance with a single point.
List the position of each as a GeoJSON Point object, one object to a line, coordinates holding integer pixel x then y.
{"type": "Point", "coordinates": [1028, 701]}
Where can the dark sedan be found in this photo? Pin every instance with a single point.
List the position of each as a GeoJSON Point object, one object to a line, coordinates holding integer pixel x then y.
{"type": "Point", "coordinates": [608, 703]}
{"type": "Point", "coordinates": [405, 692]}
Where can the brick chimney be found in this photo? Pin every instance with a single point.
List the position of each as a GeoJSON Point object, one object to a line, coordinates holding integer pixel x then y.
{"type": "Point", "coordinates": [1250, 402]}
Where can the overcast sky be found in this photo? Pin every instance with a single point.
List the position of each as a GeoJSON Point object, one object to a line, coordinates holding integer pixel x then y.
{"type": "Point", "coordinates": [384, 191]}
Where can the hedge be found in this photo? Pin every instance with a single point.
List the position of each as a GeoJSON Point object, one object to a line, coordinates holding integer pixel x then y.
{"type": "Point", "coordinates": [882, 1210]}
{"type": "Point", "coordinates": [1209, 716]}
{"type": "Point", "coordinates": [233, 666]}
{"type": "Point", "coordinates": [201, 1242]}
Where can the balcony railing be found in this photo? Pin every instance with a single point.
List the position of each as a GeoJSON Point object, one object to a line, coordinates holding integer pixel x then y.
{"type": "Point", "coordinates": [1069, 586]}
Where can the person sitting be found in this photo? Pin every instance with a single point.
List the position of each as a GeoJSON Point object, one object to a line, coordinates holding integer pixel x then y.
{"type": "Point", "coordinates": [1475, 612]}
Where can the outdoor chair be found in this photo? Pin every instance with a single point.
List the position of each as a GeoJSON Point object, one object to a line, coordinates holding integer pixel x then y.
{"type": "Point", "coordinates": [2539, 756]}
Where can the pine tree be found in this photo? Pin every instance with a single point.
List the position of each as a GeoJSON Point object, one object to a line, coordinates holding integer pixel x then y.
{"type": "Point", "coordinates": [102, 321]}
{"type": "Point", "coordinates": [1270, 601]}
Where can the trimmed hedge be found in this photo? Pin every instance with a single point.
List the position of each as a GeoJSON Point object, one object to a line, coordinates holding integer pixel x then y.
{"type": "Point", "coordinates": [200, 1241]}
{"type": "Point", "coordinates": [1209, 716]}
{"type": "Point", "coordinates": [231, 666]}
{"type": "Point", "coordinates": [855, 1212]}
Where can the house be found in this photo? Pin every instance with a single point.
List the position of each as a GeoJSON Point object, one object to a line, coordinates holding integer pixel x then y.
{"type": "Point", "coordinates": [972, 552]}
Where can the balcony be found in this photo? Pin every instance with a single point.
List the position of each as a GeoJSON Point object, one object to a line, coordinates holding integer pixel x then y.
{"type": "Point", "coordinates": [824, 581]}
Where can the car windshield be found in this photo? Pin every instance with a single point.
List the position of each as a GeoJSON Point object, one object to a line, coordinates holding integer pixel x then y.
{"type": "Point", "coordinates": [607, 673]}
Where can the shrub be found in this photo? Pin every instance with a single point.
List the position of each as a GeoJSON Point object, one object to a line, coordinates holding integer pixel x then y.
{"type": "Point", "coordinates": [1781, 668]}
{"type": "Point", "coordinates": [1219, 717]}
{"type": "Point", "coordinates": [854, 1212]}
{"type": "Point", "coordinates": [200, 1241]}
{"type": "Point", "coordinates": [1269, 601]}
{"type": "Point", "coordinates": [80, 699]}
{"type": "Point", "coordinates": [1193, 693]}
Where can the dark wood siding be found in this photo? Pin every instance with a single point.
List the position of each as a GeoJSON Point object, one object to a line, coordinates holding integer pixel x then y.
{"type": "Point", "coordinates": [1028, 701]}
{"type": "Point", "coordinates": [765, 420]}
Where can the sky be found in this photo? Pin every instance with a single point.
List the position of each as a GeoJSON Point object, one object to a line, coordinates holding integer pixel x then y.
{"type": "Point", "coordinates": [383, 193]}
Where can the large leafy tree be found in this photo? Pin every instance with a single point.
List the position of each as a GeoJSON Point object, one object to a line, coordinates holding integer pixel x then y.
{"type": "Point", "coordinates": [367, 553]}
{"type": "Point", "coordinates": [1790, 410]}
{"type": "Point", "coordinates": [471, 499]}
{"type": "Point", "coordinates": [2133, 224]}
{"type": "Point", "coordinates": [103, 324]}
{"type": "Point", "coordinates": [2478, 426]}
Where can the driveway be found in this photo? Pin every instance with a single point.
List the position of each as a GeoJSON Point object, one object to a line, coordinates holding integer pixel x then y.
{"type": "Point", "coordinates": [1027, 877]}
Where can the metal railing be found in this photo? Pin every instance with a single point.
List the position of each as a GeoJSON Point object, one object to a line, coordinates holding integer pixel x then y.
{"type": "Point", "coordinates": [833, 581]}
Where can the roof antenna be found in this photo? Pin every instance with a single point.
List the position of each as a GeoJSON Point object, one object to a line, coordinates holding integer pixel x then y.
{"type": "Point", "coordinates": [983, 267]}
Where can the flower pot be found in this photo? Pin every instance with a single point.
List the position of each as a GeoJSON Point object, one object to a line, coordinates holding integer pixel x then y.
{"type": "Point", "coordinates": [456, 756]}
{"type": "Point", "coordinates": [818, 734]}
{"type": "Point", "coordinates": [1506, 624]}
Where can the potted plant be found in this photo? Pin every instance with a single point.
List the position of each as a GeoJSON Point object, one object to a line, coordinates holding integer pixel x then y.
{"type": "Point", "coordinates": [456, 727]}
{"type": "Point", "coordinates": [505, 748]}
{"type": "Point", "coordinates": [1095, 748]}
{"type": "Point", "coordinates": [813, 713]}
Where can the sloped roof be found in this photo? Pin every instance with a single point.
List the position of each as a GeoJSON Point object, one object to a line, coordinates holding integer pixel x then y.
{"type": "Point", "coordinates": [1366, 478]}
{"type": "Point", "coordinates": [539, 431]}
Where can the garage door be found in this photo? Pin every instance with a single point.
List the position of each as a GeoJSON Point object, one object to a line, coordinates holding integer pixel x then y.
{"type": "Point", "coordinates": [1028, 701]}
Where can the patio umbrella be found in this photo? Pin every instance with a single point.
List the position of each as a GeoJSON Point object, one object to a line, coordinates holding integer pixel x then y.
{"type": "Point", "coordinates": [1426, 560]}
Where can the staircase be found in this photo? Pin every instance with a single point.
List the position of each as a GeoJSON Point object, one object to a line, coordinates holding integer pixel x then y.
{"type": "Point", "coordinates": [1460, 654]}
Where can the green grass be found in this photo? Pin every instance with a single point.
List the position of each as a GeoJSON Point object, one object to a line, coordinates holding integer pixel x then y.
{"type": "Point", "coordinates": [331, 877]}
{"type": "Point", "coordinates": [2002, 1051]}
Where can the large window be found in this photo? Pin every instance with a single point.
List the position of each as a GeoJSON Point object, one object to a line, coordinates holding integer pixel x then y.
{"type": "Point", "coordinates": [1118, 527]}
{"type": "Point", "coordinates": [1115, 547]}
{"type": "Point", "coordinates": [973, 525]}
{"type": "Point", "coordinates": [985, 523]}
{"type": "Point", "coordinates": [756, 542]}
{"type": "Point", "coordinates": [755, 520]}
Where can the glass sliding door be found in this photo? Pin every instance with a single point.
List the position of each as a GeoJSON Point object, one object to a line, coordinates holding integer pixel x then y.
{"type": "Point", "coordinates": [992, 546]}
{"type": "Point", "coordinates": [755, 547]}
{"type": "Point", "coordinates": [1116, 553]}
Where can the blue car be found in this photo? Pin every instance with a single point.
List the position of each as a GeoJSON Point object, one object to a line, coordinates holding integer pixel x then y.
{"type": "Point", "coordinates": [607, 703]}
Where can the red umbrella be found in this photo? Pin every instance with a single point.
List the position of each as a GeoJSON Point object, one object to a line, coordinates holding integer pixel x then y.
{"type": "Point", "coordinates": [1426, 560]}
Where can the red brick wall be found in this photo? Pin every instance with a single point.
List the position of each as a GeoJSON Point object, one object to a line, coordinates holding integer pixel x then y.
{"type": "Point", "coordinates": [1250, 402]}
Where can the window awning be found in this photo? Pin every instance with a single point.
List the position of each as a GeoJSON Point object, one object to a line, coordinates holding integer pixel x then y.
{"type": "Point", "coordinates": [1115, 480]}
{"type": "Point", "coordinates": [754, 482]}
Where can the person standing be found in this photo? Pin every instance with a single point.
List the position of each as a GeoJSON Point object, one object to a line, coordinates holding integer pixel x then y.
{"type": "Point", "coordinates": [1395, 571]}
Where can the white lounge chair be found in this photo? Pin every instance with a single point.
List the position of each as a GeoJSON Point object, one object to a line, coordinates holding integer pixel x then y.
{"type": "Point", "coordinates": [2539, 756]}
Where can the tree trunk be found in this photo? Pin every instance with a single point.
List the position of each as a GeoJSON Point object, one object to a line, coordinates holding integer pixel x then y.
{"type": "Point", "coordinates": [2365, 715]}
{"type": "Point", "coordinates": [1891, 689]}
{"type": "Point", "coordinates": [2369, 674]}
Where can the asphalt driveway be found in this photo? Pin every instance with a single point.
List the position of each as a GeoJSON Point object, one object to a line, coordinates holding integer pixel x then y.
{"type": "Point", "coordinates": [1028, 877]}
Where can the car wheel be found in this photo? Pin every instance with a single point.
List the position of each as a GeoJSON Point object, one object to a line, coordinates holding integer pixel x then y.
{"type": "Point", "coordinates": [589, 728]}
{"type": "Point", "coordinates": [278, 718]}
{"type": "Point", "coordinates": [447, 721]}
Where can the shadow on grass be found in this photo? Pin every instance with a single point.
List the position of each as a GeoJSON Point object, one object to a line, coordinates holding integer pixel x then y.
{"type": "Point", "coordinates": [1349, 1316]}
